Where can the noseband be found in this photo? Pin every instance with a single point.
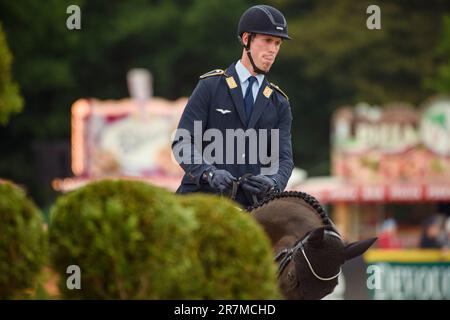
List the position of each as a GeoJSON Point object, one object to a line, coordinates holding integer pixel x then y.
{"type": "Point", "coordinates": [285, 256]}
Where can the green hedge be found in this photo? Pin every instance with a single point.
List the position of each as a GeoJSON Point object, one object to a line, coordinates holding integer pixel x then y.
{"type": "Point", "coordinates": [23, 242]}
{"type": "Point", "coordinates": [130, 240]}
{"type": "Point", "coordinates": [235, 253]}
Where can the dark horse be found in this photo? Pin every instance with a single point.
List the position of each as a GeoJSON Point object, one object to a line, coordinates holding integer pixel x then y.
{"type": "Point", "coordinates": [309, 250]}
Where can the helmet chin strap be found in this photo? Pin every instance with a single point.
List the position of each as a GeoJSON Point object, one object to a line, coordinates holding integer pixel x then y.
{"type": "Point", "coordinates": [247, 49]}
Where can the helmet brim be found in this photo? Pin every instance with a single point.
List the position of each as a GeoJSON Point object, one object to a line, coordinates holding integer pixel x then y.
{"type": "Point", "coordinates": [274, 34]}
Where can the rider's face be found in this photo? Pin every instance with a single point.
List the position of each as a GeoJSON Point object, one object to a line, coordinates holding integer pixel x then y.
{"type": "Point", "coordinates": [264, 50]}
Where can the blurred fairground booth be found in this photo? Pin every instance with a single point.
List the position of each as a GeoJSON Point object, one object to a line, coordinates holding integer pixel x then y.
{"type": "Point", "coordinates": [390, 162]}
{"type": "Point", "coordinates": [128, 138]}
{"type": "Point", "coordinates": [391, 165]}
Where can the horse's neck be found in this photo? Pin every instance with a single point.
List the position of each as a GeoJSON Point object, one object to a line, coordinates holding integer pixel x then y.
{"type": "Point", "coordinates": [286, 220]}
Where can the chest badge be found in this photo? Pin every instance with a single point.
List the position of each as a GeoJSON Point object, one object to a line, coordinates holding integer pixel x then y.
{"type": "Point", "coordinates": [231, 83]}
{"type": "Point", "coordinates": [267, 92]}
{"type": "Point", "coordinates": [223, 111]}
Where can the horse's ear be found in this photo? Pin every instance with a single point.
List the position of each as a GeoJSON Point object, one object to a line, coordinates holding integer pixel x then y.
{"type": "Point", "coordinates": [355, 249]}
{"type": "Point", "coordinates": [316, 237]}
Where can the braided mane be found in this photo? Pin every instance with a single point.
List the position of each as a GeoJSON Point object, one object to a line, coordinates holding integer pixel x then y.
{"type": "Point", "coordinates": [309, 199]}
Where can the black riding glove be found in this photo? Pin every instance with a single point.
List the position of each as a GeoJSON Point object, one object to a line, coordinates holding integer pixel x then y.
{"type": "Point", "coordinates": [259, 185]}
{"type": "Point", "coordinates": [221, 180]}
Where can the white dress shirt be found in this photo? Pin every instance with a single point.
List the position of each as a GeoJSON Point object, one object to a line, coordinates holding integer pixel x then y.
{"type": "Point", "coordinates": [243, 75]}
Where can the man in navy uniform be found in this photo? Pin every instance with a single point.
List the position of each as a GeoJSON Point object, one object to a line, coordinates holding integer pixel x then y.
{"type": "Point", "coordinates": [240, 97]}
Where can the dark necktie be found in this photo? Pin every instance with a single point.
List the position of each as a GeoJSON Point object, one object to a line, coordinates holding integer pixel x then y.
{"type": "Point", "coordinates": [248, 98]}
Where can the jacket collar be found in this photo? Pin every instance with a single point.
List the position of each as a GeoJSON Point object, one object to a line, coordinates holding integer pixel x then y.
{"type": "Point", "coordinates": [243, 74]}
{"type": "Point", "coordinates": [262, 99]}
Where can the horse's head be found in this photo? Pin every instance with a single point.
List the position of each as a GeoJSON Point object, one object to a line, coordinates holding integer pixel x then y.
{"type": "Point", "coordinates": [316, 262]}
{"type": "Point", "coordinates": [313, 251]}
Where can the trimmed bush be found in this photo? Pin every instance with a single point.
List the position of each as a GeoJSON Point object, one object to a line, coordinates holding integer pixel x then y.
{"type": "Point", "coordinates": [235, 253]}
{"type": "Point", "coordinates": [131, 241]}
{"type": "Point", "coordinates": [23, 244]}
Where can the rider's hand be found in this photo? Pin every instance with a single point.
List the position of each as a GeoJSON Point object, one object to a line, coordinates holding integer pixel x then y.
{"type": "Point", "coordinates": [221, 180]}
{"type": "Point", "coordinates": [259, 184]}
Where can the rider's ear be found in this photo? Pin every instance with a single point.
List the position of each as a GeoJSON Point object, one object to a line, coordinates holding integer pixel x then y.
{"type": "Point", "coordinates": [355, 249]}
{"type": "Point", "coordinates": [316, 237]}
{"type": "Point", "coordinates": [247, 37]}
{"type": "Point", "coordinates": [244, 38]}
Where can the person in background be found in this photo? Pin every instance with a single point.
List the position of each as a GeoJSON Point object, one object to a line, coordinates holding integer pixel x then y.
{"type": "Point", "coordinates": [446, 240]}
{"type": "Point", "coordinates": [388, 238]}
{"type": "Point", "coordinates": [431, 231]}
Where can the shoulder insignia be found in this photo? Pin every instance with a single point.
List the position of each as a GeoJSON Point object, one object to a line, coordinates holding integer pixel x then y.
{"type": "Point", "coordinates": [231, 83]}
{"type": "Point", "coordinates": [267, 92]}
{"type": "Point", "coordinates": [215, 72]}
{"type": "Point", "coordinates": [279, 90]}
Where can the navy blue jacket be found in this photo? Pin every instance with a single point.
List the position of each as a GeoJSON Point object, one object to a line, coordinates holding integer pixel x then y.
{"type": "Point", "coordinates": [221, 90]}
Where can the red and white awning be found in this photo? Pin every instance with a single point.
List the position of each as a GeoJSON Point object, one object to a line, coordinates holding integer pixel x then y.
{"type": "Point", "coordinates": [331, 190]}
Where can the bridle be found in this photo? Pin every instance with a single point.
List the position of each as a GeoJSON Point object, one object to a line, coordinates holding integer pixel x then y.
{"type": "Point", "coordinates": [285, 256]}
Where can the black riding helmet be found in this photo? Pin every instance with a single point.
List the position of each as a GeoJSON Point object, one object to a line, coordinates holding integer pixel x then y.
{"type": "Point", "coordinates": [265, 20]}
{"type": "Point", "coordinates": [261, 19]}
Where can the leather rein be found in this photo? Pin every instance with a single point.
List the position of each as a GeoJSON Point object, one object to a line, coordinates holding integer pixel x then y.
{"type": "Point", "coordinates": [235, 187]}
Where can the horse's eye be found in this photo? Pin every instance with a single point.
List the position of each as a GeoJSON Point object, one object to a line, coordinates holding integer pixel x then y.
{"type": "Point", "coordinates": [290, 276]}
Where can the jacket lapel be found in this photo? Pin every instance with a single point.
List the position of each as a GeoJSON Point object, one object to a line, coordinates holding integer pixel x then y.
{"type": "Point", "coordinates": [261, 102]}
{"type": "Point", "coordinates": [234, 86]}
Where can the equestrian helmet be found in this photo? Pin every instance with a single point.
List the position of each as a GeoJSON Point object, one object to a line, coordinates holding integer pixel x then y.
{"type": "Point", "coordinates": [263, 19]}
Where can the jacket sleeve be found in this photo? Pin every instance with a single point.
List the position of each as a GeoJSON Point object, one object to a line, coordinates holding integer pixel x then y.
{"type": "Point", "coordinates": [187, 142]}
{"type": "Point", "coordinates": [285, 163]}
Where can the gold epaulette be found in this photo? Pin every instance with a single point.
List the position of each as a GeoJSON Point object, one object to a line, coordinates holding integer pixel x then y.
{"type": "Point", "coordinates": [279, 90]}
{"type": "Point", "coordinates": [215, 72]}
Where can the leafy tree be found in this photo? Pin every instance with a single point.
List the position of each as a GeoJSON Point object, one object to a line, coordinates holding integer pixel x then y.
{"type": "Point", "coordinates": [10, 100]}
{"type": "Point", "coordinates": [440, 82]}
